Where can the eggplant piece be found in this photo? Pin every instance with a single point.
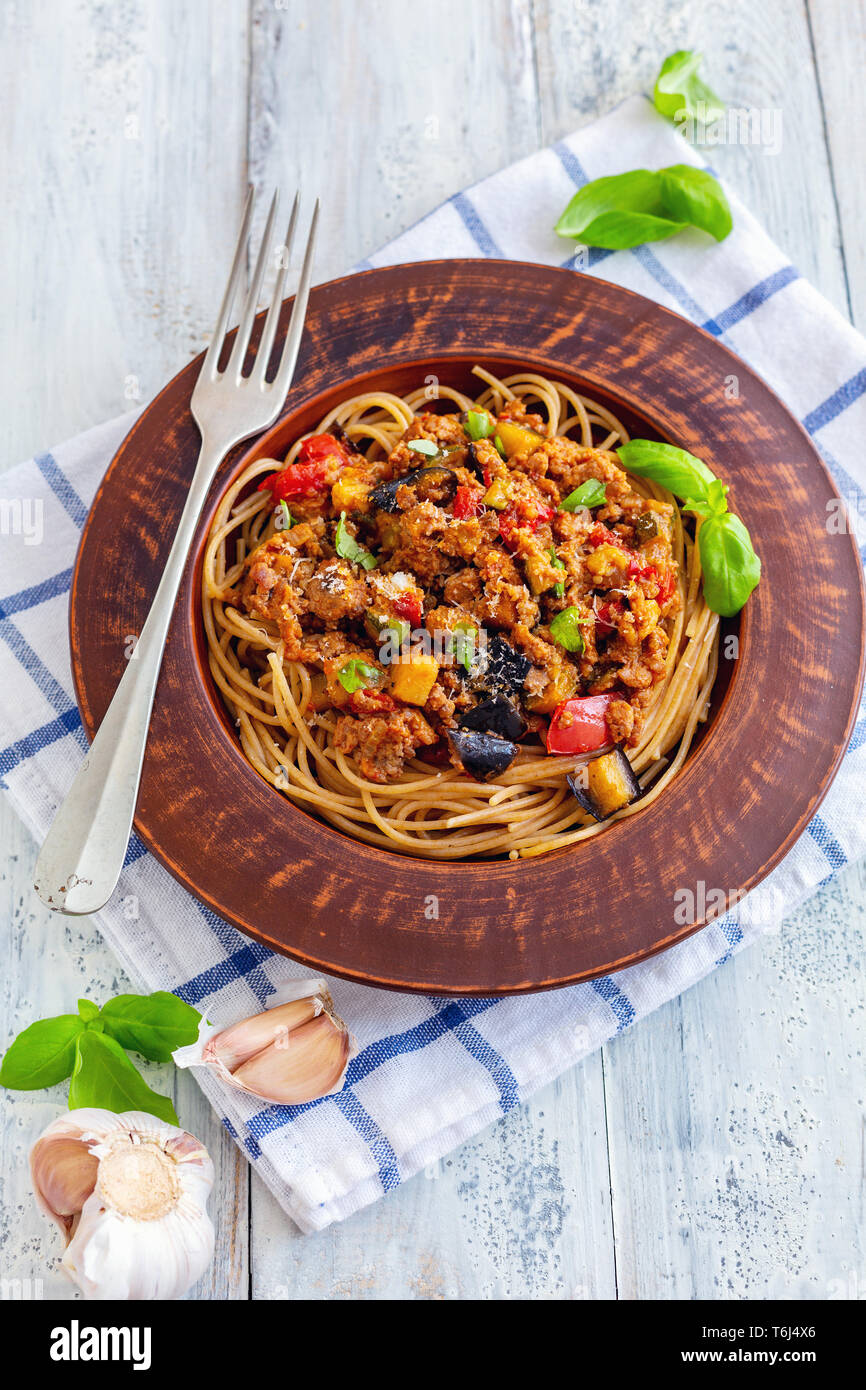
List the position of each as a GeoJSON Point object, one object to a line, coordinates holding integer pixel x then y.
{"type": "Point", "coordinates": [611, 784]}
{"type": "Point", "coordinates": [498, 715]}
{"type": "Point", "coordinates": [342, 438]}
{"type": "Point", "coordinates": [473, 462]}
{"type": "Point", "coordinates": [504, 669]}
{"type": "Point", "coordinates": [483, 756]}
{"type": "Point", "coordinates": [385, 495]}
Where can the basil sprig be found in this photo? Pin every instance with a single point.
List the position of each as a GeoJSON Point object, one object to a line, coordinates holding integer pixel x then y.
{"type": "Point", "coordinates": [589, 494]}
{"type": "Point", "coordinates": [89, 1048]}
{"type": "Point", "coordinates": [679, 89]}
{"type": "Point", "coordinates": [731, 569]}
{"type": "Point", "coordinates": [349, 549]}
{"type": "Point", "coordinates": [623, 210]}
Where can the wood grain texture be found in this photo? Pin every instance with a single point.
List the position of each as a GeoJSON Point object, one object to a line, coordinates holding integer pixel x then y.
{"type": "Point", "coordinates": [501, 928]}
{"type": "Point", "coordinates": [586, 58]}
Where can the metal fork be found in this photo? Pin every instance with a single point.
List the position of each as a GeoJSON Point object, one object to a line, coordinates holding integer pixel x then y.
{"type": "Point", "coordinates": [84, 852]}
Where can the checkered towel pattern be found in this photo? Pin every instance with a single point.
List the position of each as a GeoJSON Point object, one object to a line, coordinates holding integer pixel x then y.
{"type": "Point", "coordinates": [430, 1072]}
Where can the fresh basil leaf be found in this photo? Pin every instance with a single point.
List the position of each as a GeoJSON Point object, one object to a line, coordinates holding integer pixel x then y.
{"type": "Point", "coordinates": [349, 549]}
{"type": "Point", "coordinates": [565, 629]}
{"type": "Point", "coordinates": [42, 1054]}
{"type": "Point", "coordinates": [152, 1024]}
{"type": "Point", "coordinates": [589, 494]}
{"type": "Point", "coordinates": [424, 446]}
{"type": "Point", "coordinates": [618, 211]}
{"type": "Point", "coordinates": [358, 675]}
{"type": "Point", "coordinates": [731, 569]}
{"type": "Point", "coordinates": [104, 1077]}
{"type": "Point", "coordinates": [479, 424]}
{"type": "Point", "coordinates": [87, 1009]}
{"type": "Point", "coordinates": [676, 469]}
{"type": "Point", "coordinates": [692, 195]}
{"type": "Point", "coordinates": [679, 89]}
{"type": "Point", "coordinates": [623, 210]}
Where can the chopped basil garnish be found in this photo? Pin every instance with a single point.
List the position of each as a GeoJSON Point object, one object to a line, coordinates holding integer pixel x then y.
{"type": "Point", "coordinates": [565, 629]}
{"type": "Point", "coordinates": [464, 637]}
{"type": "Point", "coordinates": [287, 516]}
{"type": "Point", "coordinates": [558, 589]}
{"type": "Point", "coordinates": [424, 446]}
{"type": "Point", "coordinates": [479, 424]}
{"type": "Point", "coordinates": [349, 549]}
{"type": "Point", "coordinates": [589, 494]}
{"type": "Point", "coordinates": [358, 675]}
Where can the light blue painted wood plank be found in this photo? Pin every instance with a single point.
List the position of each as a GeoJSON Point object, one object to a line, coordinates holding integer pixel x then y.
{"type": "Point", "coordinates": [735, 1120]}
{"type": "Point", "coordinates": [522, 1211]}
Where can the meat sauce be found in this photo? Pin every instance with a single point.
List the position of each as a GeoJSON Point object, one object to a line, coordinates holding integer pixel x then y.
{"type": "Point", "coordinates": [395, 572]}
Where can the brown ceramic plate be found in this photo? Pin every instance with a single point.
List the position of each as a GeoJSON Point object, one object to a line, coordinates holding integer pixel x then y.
{"type": "Point", "coordinates": [783, 711]}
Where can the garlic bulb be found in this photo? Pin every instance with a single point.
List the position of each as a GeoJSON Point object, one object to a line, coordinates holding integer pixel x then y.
{"type": "Point", "coordinates": [297, 1050]}
{"type": "Point", "coordinates": [129, 1193]}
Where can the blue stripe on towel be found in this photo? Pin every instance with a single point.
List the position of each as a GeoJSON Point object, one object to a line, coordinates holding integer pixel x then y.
{"type": "Point", "coordinates": [389, 1169]}
{"type": "Point", "coordinates": [27, 747]}
{"type": "Point", "coordinates": [36, 594]}
{"type": "Point", "coordinates": [747, 303]}
{"type": "Point", "coordinates": [475, 226]}
{"type": "Point", "coordinates": [826, 841]}
{"type": "Point", "coordinates": [620, 1004]}
{"type": "Point", "coordinates": [849, 392]}
{"type": "Point", "coordinates": [62, 488]}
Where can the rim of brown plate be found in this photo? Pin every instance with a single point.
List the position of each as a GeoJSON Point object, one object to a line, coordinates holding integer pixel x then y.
{"type": "Point", "coordinates": [380, 936]}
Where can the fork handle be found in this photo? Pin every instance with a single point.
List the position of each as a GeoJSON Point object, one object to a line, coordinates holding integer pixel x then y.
{"type": "Point", "coordinates": [84, 851]}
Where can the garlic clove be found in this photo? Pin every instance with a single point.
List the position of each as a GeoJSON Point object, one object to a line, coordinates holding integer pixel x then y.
{"type": "Point", "coordinates": [243, 1040]}
{"type": "Point", "coordinates": [310, 1063]}
{"type": "Point", "coordinates": [296, 1050]}
{"type": "Point", "coordinates": [64, 1175]}
{"type": "Point", "coordinates": [129, 1192]}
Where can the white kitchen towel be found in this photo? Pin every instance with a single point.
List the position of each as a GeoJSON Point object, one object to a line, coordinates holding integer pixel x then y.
{"type": "Point", "coordinates": [430, 1072]}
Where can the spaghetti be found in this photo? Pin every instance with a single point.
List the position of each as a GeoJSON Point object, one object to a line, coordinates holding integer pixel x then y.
{"type": "Point", "coordinates": [437, 811]}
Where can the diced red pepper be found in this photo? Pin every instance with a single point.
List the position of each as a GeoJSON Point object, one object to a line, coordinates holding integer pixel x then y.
{"type": "Point", "coordinates": [321, 447]}
{"type": "Point", "coordinates": [666, 588]}
{"type": "Point", "coordinates": [371, 702]}
{"type": "Point", "coordinates": [522, 515]}
{"type": "Point", "coordinates": [467, 502]}
{"type": "Point", "coordinates": [580, 725]}
{"type": "Point", "coordinates": [600, 535]}
{"type": "Point", "coordinates": [311, 473]}
{"type": "Point", "coordinates": [409, 606]}
{"type": "Point", "coordinates": [605, 618]}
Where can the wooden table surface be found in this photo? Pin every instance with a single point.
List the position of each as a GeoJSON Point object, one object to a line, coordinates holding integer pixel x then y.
{"type": "Point", "coordinates": [715, 1150]}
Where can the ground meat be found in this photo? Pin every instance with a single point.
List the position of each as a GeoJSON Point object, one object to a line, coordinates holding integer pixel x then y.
{"type": "Point", "coordinates": [333, 593]}
{"type": "Point", "coordinates": [440, 705]}
{"type": "Point", "coordinates": [382, 743]}
{"type": "Point", "coordinates": [272, 587]}
{"type": "Point", "coordinates": [498, 570]}
{"type": "Point", "coordinates": [620, 720]}
{"type": "Point", "coordinates": [463, 588]}
{"type": "Point", "coordinates": [421, 530]}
